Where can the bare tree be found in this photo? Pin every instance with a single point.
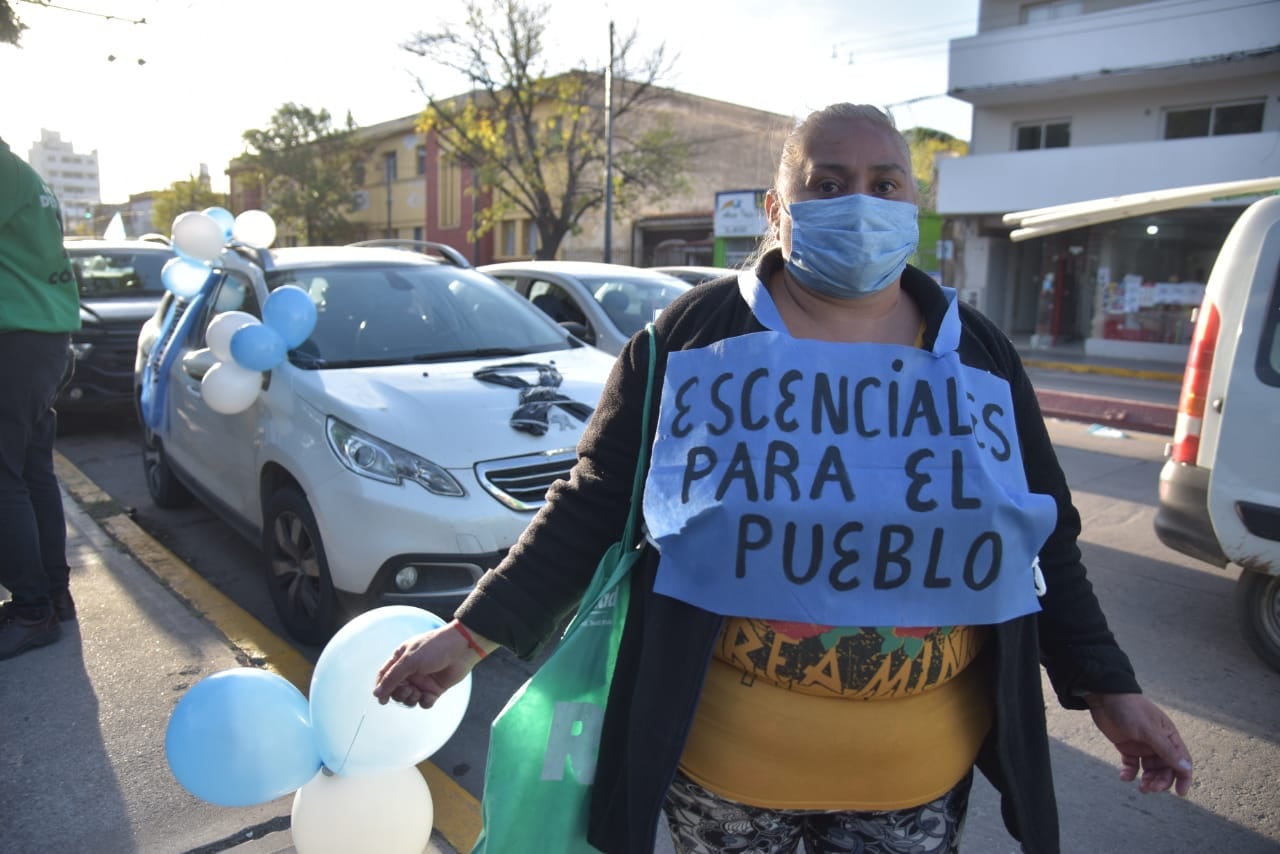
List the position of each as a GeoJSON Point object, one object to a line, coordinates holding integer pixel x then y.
{"type": "Point", "coordinates": [536, 140]}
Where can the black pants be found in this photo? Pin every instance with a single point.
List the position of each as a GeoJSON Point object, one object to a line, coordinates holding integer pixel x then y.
{"type": "Point", "coordinates": [33, 559]}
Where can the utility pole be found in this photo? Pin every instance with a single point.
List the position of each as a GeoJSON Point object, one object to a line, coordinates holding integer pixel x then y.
{"type": "Point", "coordinates": [608, 154]}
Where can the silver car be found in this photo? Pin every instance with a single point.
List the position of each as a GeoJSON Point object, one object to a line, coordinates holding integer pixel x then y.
{"type": "Point", "coordinates": [602, 304]}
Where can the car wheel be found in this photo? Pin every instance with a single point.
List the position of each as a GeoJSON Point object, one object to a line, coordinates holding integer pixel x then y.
{"type": "Point", "coordinates": [1258, 607]}
{"type": "Point", "coordinates": [297, 570]}
{"type": "Point", "coordinates": [165, 488]}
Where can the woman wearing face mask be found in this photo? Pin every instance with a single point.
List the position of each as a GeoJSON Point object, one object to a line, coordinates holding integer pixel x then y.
{"type": "Point", "coordinates": [861, 549]}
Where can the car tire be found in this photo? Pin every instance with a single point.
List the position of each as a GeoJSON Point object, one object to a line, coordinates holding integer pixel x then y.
{"type": "Point", "coordinates": [297, 570]}
{"type": "Point", "coordinates": [163, 485]}
{"type": "Point", "coordinates": [1258, 608]}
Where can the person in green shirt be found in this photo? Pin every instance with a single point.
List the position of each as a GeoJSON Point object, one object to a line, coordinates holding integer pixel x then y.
{"type": "Point", "coordinates": [39, 308]}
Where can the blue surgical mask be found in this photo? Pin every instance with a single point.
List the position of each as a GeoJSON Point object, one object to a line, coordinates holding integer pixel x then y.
{"type": "Point", "coordinates": [850, 246]}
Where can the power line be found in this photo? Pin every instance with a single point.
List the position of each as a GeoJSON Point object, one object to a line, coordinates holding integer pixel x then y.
{"type": "Point", "coordinates": [84, 12]}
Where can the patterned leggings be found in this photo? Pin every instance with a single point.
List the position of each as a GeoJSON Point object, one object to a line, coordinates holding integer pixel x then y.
{"type": "Point", "coordinates": [702, 822]}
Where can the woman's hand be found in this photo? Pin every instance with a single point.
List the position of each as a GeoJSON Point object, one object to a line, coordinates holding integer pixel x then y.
{"type": "Point", "coordinates": [1147, 741]}
{"type": "Point", "coordinates": [424, 667]}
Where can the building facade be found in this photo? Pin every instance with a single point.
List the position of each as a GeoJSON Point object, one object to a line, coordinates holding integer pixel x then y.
{"type": "Point", "coordinates": [409, 188]}
{"type": "Point", "coordinates": [72, 177]}
{"type": "Point", "coordinates": [1076, 100]}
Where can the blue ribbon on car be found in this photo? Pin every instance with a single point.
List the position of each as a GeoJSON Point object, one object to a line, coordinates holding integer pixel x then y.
{"type": "Point", "coordinates": [154, 394]}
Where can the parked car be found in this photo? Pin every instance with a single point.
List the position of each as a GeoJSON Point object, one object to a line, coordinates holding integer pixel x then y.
{"type": "Point", "coordinates": [120, 287]}
{"type": "Point", "coordinates": [603, 304]}
{"type": "Point", "coordinates": [697, 275]}
{"type": "Point", "coordinates": [395, 455]}
{"type": "Point", "coordinates": [1220, 486]}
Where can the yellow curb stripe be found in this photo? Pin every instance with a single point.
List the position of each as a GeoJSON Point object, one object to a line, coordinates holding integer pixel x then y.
{"type": "Point", "coordinates": [457, 812]}
{"type": "Point", "coordinates": [1082, 368]}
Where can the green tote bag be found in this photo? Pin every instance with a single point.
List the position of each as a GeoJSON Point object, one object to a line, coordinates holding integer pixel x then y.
{"type": "Point", "coordinates": [543, 744]}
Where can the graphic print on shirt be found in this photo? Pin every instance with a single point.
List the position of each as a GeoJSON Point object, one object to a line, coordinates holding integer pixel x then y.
{"type": "Point", "coordinates": [848, 662]}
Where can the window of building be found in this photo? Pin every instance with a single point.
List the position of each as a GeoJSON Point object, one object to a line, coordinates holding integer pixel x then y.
{"type": "Point", "coordinates": [419, 233]}
{"type": "Point", "coordinates": [530, 238]}
{"type": "Point", "coordinates": [357, 173]}
{"type": "Point", "coordinates": [420, 157]}
{"type": "Point", "coordinates": [510, 234]}
{"type": "Point", "coordinates": [450, 192]}
{"type": "Point", "coordinates": [1033, 135]}
{"type": "Point", "coordinates": [1034, 13]}
{"type": "Point", "coordinates": [389, 166]}
{"type": "Point", "coordinates": [1214, 120]}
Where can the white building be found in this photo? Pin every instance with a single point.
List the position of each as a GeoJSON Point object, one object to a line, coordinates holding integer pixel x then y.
{"type": "Point", "coordinates": [1083, 99]}
{"type": "Point", "coordinates": [72, 177]}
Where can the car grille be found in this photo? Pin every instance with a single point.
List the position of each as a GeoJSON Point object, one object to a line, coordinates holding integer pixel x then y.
{"type": "Point", "coordinates": [521, 483]}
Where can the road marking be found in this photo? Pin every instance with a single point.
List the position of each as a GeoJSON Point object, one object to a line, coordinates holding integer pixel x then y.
{"type": "Point", "coordinates": [457, 812]}
{"type": "Point", "coordinates": [1086, 368]}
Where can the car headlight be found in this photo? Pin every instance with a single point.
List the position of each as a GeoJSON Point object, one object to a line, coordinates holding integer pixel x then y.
{"type": "Point", "coordinates": [371, 457]}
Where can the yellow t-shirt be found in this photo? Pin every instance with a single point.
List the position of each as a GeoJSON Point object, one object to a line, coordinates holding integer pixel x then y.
{"type": "Point", "coordinates": [794, 716]}
{"type": "Point", "coordinates": [800, 716]}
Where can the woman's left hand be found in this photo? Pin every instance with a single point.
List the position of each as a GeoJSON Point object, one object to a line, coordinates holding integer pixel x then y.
{"type": "Point", "coordinates": [1147, 740]}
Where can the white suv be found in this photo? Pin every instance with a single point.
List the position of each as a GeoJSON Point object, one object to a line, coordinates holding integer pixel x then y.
{"type": "Point", "coordinates": [398, 452]}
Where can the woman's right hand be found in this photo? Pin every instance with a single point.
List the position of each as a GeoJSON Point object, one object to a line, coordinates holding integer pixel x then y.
{"type": "Point", "coordinates": [424, 667]}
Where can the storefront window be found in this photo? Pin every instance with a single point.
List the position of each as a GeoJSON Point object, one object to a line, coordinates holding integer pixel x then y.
{"type": "Point", "coordinates": [1152, 273]}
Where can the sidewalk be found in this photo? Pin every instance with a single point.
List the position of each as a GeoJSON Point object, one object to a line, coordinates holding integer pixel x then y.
{"type": "Point", "coordinates": [82, 721]}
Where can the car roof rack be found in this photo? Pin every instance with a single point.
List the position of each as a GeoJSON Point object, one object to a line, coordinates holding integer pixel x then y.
{"type": "Point", "coordinates": [425, 247]}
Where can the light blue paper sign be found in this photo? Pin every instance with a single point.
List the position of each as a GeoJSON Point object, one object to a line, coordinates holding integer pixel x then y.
{"type": "Point", "coordinates": [842, 484]}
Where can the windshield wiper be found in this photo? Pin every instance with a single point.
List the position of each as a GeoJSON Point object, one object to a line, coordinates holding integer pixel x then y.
{"type": "Point", "coordinates": [315, 363]}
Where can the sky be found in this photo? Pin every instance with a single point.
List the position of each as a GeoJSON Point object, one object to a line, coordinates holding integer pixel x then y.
{"type": "Point", "coordinates": [216, 68]}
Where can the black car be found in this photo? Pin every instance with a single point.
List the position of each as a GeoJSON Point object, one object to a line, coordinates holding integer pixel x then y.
{"type": "Point", "coordinates": [120, 287]}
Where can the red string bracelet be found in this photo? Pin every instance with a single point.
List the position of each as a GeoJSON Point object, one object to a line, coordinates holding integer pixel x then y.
{"type": "Point", "coordinates": [471, 641]}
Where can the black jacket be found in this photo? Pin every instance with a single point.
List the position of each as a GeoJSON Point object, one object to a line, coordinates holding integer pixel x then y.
{"type": "Point", "coordinates": [667, 643]}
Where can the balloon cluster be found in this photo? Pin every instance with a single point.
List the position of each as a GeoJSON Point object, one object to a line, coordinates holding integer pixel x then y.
{"type": "Point", "coordinates": [244, 346]}
{"type": "Point", "coordinates": [197, 238]}
{"type": "Point", "coordinates": [246, 736]}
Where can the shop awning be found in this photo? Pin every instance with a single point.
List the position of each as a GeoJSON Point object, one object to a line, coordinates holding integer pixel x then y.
{"type": "Point", "coordinates": [1041, 221]}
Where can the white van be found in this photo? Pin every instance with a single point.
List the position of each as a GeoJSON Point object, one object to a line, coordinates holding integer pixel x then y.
{"type": "Point", "coordinates": [1220, 486]}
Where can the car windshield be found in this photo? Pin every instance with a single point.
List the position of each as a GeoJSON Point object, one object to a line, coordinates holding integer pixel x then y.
{"type": "Point", "coordinates": [632, 301]}
{"type": "Point", "coordinates": [397, 314]}
{"type": "Point", "coordinates": [114, 273]}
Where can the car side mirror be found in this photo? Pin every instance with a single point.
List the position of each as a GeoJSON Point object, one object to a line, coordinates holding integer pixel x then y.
{"type": "Point", "coordinates": [198, 362]}
{"type": "Point", "coordinates": [579, 330]}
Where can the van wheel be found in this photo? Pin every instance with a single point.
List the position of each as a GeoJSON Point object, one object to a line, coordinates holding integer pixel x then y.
{"type": "Point", "coordinates": [163, 485]}
{"type": "Point", "coordinates": [1258, 607]}
{"type": "Point", "coordinates": [297, 570]}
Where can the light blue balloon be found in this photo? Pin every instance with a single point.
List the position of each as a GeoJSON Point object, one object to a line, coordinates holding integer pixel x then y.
{"type": "Point", "coordinates": [257, 347]}
{"type": "Point", "coordinates": [184, 277]}
{"type": "Point", "coordinates": [241, 737]}
{"type": "Point", "coordinates": [354, 733]}
{"type": "Point", "coordinates": [223, 217]}
{"type": "Point", "coordinates": [290, 311]}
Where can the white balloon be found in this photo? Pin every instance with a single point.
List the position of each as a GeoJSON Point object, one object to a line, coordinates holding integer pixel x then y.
{"type": "Point", "coordinates": [255, 228]}
{"type": "Point", "coordinates": [228, 388]}
{"type": "Point", "coordinates": [389, 812]}
{"type": "Point", "coordinates": [197, 235]}
{"type": "Point", "coordinates": [218, 336]}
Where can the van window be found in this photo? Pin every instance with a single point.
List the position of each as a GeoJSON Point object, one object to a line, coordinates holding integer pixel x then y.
{"type": "Point", "coordinates": [1268, 367]}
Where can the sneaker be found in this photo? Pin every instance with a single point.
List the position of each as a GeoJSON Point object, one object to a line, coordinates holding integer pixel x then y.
{"type": "Point", "coordinates": [63, 605]}
{"type": "Point", "coordinates": [19, 634]}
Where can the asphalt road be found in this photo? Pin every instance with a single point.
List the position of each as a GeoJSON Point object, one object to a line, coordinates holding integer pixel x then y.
{"type": "Point", "coordinates": [1173, 615]}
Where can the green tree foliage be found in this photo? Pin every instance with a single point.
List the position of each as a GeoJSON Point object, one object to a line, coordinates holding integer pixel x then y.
{"type": "Point", "coordinates": [192, 194]}
{"type": "Point", "coordinates": [927, 145]}
{"type": "Point", "coordinates": [11, 25]}
{"type": "Point", "coordinates": [306, 168]}
{"type": "Point", "coordinates": [536, 140]}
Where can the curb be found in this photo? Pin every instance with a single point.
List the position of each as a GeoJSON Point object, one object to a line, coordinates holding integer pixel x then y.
{"type": "Point", "coordinates": [1085, 368]}
{"type": "Point", "coordinates": [1134, 415]}
{"type": "Point", "coordinates": [457, 811]}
